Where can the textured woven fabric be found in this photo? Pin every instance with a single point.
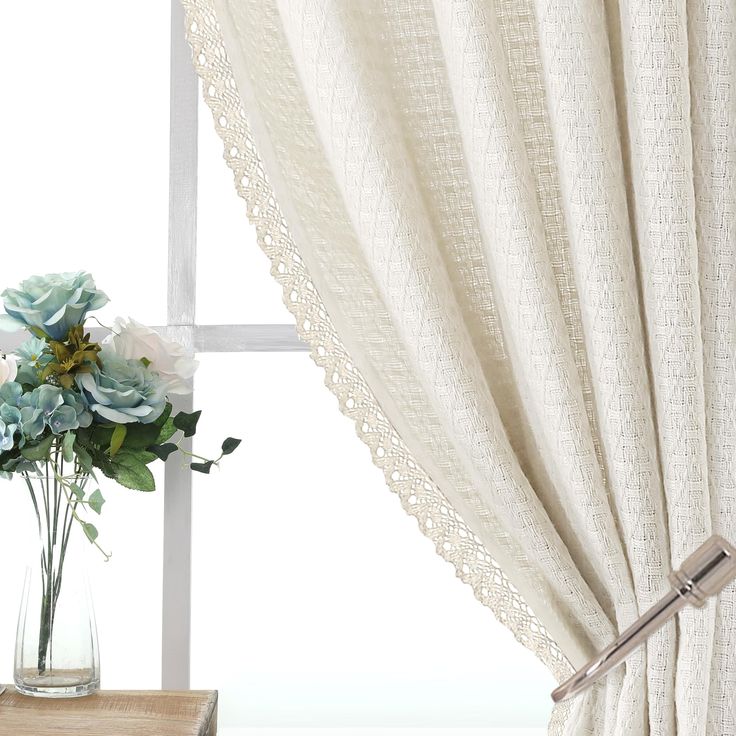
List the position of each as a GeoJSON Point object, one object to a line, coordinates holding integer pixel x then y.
{"type": "Point", "coordinates": [516, 219]}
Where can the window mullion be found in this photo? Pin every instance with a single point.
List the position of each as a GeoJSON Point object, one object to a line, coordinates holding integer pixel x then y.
{"type": "Point", "coordinates": [176, 604]}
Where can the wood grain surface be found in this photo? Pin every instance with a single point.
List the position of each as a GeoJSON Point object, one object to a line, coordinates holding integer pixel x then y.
{"type": "Point", "coordinates": [111, 713]}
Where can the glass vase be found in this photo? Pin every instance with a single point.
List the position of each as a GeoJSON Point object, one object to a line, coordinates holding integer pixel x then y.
{"type": "Point", "coordinates": [56, 654]}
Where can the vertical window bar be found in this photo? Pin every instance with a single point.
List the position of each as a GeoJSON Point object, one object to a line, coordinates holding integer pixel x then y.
{"type": "Point", "coordinates": [176, 614]}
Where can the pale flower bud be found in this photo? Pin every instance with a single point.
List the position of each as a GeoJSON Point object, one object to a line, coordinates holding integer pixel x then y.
{"type": "Point", "coordinates": [8, 369]}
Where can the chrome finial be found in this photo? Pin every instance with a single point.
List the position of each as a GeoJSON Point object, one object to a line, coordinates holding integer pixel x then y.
{"type": "Point", "coordinates": [704, 573]}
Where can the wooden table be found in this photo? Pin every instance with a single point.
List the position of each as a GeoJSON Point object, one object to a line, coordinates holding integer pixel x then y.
{"type": "Point", "coordinates": [111, 713]}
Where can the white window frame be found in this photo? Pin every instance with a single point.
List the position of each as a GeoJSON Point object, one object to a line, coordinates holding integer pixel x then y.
{"type": "Point", "coordinates": [182, 325]}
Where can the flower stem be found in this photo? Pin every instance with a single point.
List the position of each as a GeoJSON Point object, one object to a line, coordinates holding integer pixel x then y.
{"type": "Point", "coordinates": [52, 497]}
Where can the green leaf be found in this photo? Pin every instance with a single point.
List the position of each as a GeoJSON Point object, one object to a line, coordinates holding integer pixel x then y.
{"type": "Point", "coordinates": [129, 469]}
{"type": "Point", "coordinates": [128, 454]}
{"type": "Point", "coordinates": [146, 456]}
{"type": "Point", "coordinates": [167, 431]}
{"type": "Point", "coordinates": [102, 434]}
{"type": "Point", "coordinates": [67, 447]}
{"type": "Point", "coordinates": [162, 452]}
{"type": "Point", "coordinates": [38, 332]}
{"type": "Point", "coordinates": [117, 439]}
{"type": "Point", "coordinates": [202, 467]}
{"type": "Point", "coordinates": [96, 501]}
{"type": "Point", "coordinates": [136, 477]}
{"type": "Point", "coordinates": [101, 460]}
{"type": "Point", "coordinates": [97, 434]}
{"type": "Point", "coordinates": [39, 451]}
{"type": "Point", "coordinates": [76, 491]}
{"type": "Point", "coordinates": [187, 423]}
{"type": "Point", "coordinates": [230, 445]}
{"type": "Point", "coordinates": [90, 530]}
{"type": "Point", "coordinates": [141, 436]}
{"type": "Point", "coordinates": [164, 416]}
{"type": "Point", "coordinates": [83, 458]}
{"type": "Point", "coordinates": [84, 435]}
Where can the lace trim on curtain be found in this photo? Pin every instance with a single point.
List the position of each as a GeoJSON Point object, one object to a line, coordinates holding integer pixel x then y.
{"type": "Point", "coordinates": [419, 496]}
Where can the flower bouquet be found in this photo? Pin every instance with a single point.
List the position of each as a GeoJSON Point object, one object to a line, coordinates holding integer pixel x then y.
{"type": "Point", "coordinates": [72, 409]}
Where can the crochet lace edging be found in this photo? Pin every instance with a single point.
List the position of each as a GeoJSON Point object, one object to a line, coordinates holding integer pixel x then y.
{"type": "Point", "coordinates": [419, 496]}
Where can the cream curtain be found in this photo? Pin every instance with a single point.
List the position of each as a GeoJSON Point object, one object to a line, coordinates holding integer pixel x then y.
{"type": "Point", "coordinates": [506, 230]}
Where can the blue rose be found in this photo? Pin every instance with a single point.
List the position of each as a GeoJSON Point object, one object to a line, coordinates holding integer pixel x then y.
{"type": "Point", "coordinates": [53, 303]}
{"type": "Point", "coordinates": [51, 406]}
{"type": "Point", "coordinates": [123, 391]}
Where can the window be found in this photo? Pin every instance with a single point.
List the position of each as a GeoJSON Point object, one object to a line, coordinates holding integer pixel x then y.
{"type": "Point", "coordinates": [75, 137]}
{"type": "Point", "coordinates": [315, 601]}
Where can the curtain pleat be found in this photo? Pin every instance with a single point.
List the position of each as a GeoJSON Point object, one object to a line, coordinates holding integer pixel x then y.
{"type": "Point", "coordinates": [518, 217]}
{"type": "Point", "coordinates": [591, 168]}
{"type": "Point", "coordinates": [532, 318]}
{"type": "Point", "coordinates": [656, 71]}
{"type": "Point", "coordinates": [712, 58]}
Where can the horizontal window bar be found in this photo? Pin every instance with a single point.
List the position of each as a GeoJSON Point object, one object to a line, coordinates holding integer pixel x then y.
{"type": "Point", "coordinates": [247, 339]}
{"type": "Point", "coordinates": [208, 338]}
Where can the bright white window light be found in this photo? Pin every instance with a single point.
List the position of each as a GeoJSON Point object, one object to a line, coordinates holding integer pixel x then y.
{"type": "Point", "coordinates": [84, 147]}
{"type": "Point", "coordinates": [316, 600]}
{"type": "Point", "coordinates": [228, 255]}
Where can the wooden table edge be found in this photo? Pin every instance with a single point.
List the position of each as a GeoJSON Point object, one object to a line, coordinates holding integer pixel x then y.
{"type": "Point", "coordinates": [207, 721]}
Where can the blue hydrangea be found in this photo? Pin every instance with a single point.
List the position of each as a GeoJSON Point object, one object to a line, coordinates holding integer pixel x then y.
{"type": "Point", "coordinates": [53, 303]}
{"type": "Point", "coordinates": [7, 435]}
{"type": "Point", "coordinates": [123, 391]}
{"type": "Point", "coordinates": [10, 396]}
{"type": "Point", "coordinates": [51, 406]}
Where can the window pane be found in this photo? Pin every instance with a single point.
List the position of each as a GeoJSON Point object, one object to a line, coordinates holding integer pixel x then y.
{"type": "Point", "coordinates": [316, 600]}
{"type": "Point", "coordinates": [84, 148]}
{"type": "Point", "coordinates": [234, 283]}
{"type": "Point", "coordinates": [84, 185]}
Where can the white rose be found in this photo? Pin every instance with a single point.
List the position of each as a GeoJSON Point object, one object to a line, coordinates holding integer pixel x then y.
{"type": "Point", "coordinates": [8, 369]}
{"type": "Point", "coordinates": [167, 358]}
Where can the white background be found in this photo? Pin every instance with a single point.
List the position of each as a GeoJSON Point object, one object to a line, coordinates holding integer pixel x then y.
{"type": "Point", "coordinates": [316, 600]}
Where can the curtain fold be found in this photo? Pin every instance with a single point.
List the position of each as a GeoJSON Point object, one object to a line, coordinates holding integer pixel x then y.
{"type": "Point", "coordinates": [712, 30]}
{"type": "Point", "coordinates": [505, 229]}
